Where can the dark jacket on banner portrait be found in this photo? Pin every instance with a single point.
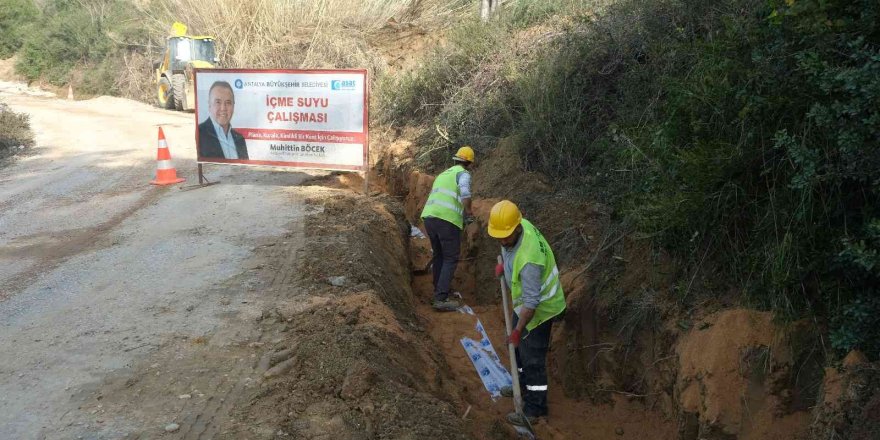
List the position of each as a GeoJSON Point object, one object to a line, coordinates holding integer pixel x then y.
{"type": "Point", "coordinates": [209, 143]}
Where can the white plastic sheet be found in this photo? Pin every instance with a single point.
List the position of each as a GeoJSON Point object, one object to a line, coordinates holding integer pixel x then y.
{"type": "Point", "coordinates": [416, 232]}
{"type": "Point", "coordinates": [486, 361]}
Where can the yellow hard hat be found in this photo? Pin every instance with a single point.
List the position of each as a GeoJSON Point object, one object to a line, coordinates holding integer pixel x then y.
{"type": "Point", "coordinates": [465, 153]}
{"type": "Point", "coordinates": [503, 219]}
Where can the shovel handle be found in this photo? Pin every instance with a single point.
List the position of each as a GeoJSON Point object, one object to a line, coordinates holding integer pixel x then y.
{"type": "Point", "coordinates": [514, 371]}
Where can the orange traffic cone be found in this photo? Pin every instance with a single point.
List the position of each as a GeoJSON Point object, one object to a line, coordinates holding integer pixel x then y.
{"type": "Point", "coordinates": [165, 172]}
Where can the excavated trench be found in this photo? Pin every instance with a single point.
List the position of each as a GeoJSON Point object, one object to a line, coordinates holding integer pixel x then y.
{"type": "Point", "coordinates": [620, 416]}
{"type": "Point", "coordinates": [363, 356]}
{"type": "Point", "coordinates": [638, 369]}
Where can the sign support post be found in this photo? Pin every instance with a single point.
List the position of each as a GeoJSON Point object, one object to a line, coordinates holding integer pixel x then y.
{"type": "Point", "coordinates": [203, 181]}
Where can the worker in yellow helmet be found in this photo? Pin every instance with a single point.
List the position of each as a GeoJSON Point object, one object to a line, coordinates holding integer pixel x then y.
{"type": "Point", "coordinates": [529, 269]}
{"type": "Point", "coordinates": [446, 211]}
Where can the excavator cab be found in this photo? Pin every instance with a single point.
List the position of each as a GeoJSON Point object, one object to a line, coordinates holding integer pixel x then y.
{"type": "Point", "coordinates": [174, 73]}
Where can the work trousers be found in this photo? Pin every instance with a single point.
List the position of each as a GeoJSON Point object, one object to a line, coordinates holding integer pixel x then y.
{"type": "Point", "coordinates": [531, 359]}
{"type": "Point", "coordinates": [446, 245]}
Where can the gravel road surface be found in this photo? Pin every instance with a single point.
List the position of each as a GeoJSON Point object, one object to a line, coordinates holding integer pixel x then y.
{"type": "Point", "coordinates": [99, 269]}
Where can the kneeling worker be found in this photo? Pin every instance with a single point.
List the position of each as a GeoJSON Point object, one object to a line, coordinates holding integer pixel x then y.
{"type": "Point", "coordinates": [530, 271]}
{"type": "Point", "coordinates": [445, 213]}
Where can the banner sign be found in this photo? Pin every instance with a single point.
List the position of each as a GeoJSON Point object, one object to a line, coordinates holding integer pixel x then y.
{"type": "Point", "coordinates": [289, 118]}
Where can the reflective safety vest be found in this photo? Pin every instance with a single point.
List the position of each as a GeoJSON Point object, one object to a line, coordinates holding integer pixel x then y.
{"type": "Point", "coordinates": [444, 202]}
{"type": "Point", "coordinates": [534, 249]}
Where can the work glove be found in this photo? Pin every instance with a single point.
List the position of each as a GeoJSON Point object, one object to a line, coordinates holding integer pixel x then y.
{"type": "Point", "coordinates": [514, 338]}
{"type": "Point", "coordinates": [499, 270]}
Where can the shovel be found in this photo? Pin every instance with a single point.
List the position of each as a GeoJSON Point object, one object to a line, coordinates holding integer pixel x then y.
{"type": "Point", "coordinates": [514, 371]}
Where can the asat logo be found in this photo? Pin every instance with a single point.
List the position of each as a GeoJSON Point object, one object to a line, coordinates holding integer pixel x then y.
{"type": "Point", "coordinates": [340, 84]}
{"type": "Point", "coordinates": [239, 84]}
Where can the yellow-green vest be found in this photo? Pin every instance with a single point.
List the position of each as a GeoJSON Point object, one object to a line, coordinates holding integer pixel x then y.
{"type": "Point", "coordinates": [535, 249]}
{"type": "Point", "coordinates": [444, 202]}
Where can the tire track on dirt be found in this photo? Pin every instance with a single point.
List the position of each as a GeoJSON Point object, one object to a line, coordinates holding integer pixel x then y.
{"type": "Point", "coordinates": [231, 389]}
{"type": "Point", "coordinates": [287, 255]}
{"type": "Point", "coordinates": [201, 424]}
{"type": "Point", "coordinates": [54, 249]}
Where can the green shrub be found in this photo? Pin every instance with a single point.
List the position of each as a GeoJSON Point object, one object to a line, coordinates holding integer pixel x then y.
{"type": "Point", "coordinates": [524, 13]}
{"type": "Point", "coordinates": [14, 16]}
{"type": "Point", "coordinates": [857, 324]}
{"type": "Point", "coordinates": [90, 36]}
{"type": "Point", "coordinates": [744, 127]}
{"type": "Point", "coordinates": [15, 131]}
{"type": "Point", "coordinates": [768, 147]}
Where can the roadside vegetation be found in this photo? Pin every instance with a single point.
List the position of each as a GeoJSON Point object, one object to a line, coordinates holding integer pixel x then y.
{"type": "Point", "coordinates": [86, 43]}
{"type": "Point", "coordinates": [15, 132]}
{"type": "Point", "coordinates": [14, 16]}
{"type": "Point", "coordinates": [740, 135]}
{"type": "Point", "coordinates": [300, 33]}
{"type": "Point", "coordinates": [108, 46]}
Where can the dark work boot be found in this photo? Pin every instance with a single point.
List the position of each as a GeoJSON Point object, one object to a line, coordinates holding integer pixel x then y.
{"type": "Point", "coordinates": [520, 419]}
{"type": "Point", "coordinates": [447, 305]}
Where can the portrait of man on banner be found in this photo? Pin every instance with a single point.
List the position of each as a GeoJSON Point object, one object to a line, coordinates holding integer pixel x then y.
{"type": "Point", "coordinates": [217, 138]}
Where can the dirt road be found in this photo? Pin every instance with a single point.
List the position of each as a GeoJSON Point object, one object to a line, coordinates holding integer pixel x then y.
{"type": "Point", "coordinates": [101, 273]}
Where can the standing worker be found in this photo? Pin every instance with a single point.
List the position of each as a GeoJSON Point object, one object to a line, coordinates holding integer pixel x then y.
{"type": "Point", "coordinates": [447, 210]}
{"type": "Point", "coordinates": [530, 271]}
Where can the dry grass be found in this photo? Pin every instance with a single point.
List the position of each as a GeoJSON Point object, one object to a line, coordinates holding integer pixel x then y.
{"type": "Point", "coordinates": [300, 33]}
{"type": "Point", "coordinates": [135, 80]}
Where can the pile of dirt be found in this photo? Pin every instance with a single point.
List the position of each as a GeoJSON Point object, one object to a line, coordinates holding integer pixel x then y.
{"type": "Point", "coordinates": [849, 407]}
{"type": "Point", "coordinates": [402, 45]}
{"type": "Point", "coordinates": [357, 364]}
{"type": "Point", "coordinates": [735, 379]}
{"type": "Point", "coordinates": [362, 240]}
{"type": "Point", "coordinates": [392, 161]}
{"type": "Point", "coordinates": [615, 339]}
{"type": "Point", "coordinates": [501, 175]}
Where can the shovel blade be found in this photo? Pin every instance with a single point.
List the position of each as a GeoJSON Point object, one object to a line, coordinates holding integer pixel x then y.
{"type": "Point", "coordinates": [524, 433]}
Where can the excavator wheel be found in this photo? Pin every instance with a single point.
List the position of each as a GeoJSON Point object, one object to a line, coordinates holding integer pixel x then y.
{"type": "Point", "coordinates": [164, 94]}
{"type": "Point", "coordinates": [178, 82]}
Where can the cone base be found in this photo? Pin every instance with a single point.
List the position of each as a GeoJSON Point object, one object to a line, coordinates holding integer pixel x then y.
{"type": "Point", "coordinates": [167, 182]}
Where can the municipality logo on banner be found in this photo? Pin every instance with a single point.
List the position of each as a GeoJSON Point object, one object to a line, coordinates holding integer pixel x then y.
{"type": "Point", "coordinates": [338, 84]}
{"type": "Point", "coordinates": [239, 84]}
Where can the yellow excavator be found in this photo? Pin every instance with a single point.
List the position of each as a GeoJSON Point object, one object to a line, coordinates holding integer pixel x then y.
{"type": "Point", "coordinates": [174, 73]}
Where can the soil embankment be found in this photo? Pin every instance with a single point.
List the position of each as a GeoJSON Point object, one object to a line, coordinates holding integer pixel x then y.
{"type": "Point", "coordinates": [622, 415]}
{"type": "Point", "coordinates": [359, 364]}
{"type": "Point", "coordinates": [639, 367]}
